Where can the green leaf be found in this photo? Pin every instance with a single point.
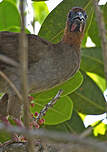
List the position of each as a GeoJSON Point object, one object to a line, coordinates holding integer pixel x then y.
{"type": "Point", "coordinates": [88, 99]}
{"type": "Point", "coordinates": [15, 1]}
{"type": "Point", "coordinates": [68, 87]}
{"type": "Point", "coordinates": [93, 31]}
{"type": "Point", "coordinates": [9, 15]}
{"type": "Point", "coordinates": [100, 81]}
{"type": "Point", "coordinates": [100, 129]}
{"type": "Point", "coordinates": [15, 29]}
{"type": "Point", "coordinates": [4, 136]}
{"type": "Point", "coordinates": [83, 44]}
{"type": "Point", "coordinates": [39, 0]}
{"type": "Point", "coordinates": [53, 27]}
{"type": "Point", "coordinates": [40, 11]}
{"type": "Point", "coordinates": [59, 113]}
{"type": "Point", "coordinates": [92, 61]}
{"type": "Point", "coordinates": [104, 8]}
{"type": "Point", "coordinates": [69, 126]}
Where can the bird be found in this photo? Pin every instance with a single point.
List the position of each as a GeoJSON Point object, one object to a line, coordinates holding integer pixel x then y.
{"type": "Point", "coordinates": [48, 64]}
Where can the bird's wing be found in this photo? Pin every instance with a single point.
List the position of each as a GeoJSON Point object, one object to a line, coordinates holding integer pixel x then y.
{"type": "Point", "coordinates": [9, 46]}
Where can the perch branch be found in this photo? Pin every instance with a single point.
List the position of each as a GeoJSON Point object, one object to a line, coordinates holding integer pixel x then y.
{"type": "Point", "coordinates": [58, 137]}
{"type": "Point", "coordinates": [24, 64]}
{"type": "Point", "coordinates": [24, 71]}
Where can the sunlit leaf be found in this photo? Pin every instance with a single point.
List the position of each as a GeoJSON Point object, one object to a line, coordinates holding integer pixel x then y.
{"type": "Point", "coordinates": [100, 81]}
{"type": "Point", "coordinates": [40, 11]}
{"type": "Point", "coordinates": [69, 126]}
{"type": "Point", "coordinates": [39, 0]}
{"type": "Point", "coordinates": [15, 1]}
{"type": "Point", "coordinates": [9, 15]}
{"type": "Point", "coordinates": [15, 29]}
{"type": "Point", "coordinates": [100, 129]}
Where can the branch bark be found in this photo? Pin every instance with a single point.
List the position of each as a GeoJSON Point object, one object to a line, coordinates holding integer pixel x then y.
{"type": "Point", "coordinates": [59, 142]}
{"type": "Point", "coordinates": [24, 71]}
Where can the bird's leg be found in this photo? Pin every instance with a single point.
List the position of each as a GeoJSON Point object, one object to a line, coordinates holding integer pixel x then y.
{"type": "Point", "coordinates": [4, 115]}
{"type": "Point", "coordinates": [18, 120]}
{"type": "Point", "coordinates": [16, 114]}
{"type": "Point", "coordinates": [3, 105]}
{"type": "Point", "coordinates": [3, 110]}
{"type": "Point", "coordinates": [11, 108]}
{"type": "Point", "coordinates": [15, 109]}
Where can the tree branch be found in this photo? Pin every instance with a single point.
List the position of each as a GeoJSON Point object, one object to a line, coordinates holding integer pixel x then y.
{"type": "Point", "coordinates": [8, 60]}
{"type": "Point", "coordinates": [24, 71]}
{"type": "Point", "coordinates": [76, 143]}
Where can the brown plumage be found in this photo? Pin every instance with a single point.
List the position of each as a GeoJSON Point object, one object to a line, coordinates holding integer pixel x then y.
{"type": "Point", "coordinates": [49, 64]}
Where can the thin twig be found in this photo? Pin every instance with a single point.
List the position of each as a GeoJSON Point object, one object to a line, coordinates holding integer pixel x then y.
{"type": "Point", "coordinates": [24, 71]}
{"type": "Point", "coordinates": [102, 32]}
{"type": "Point", "coordinates": [49, 105]}
{"type": "Point", "coordinates": [86, 133]}
{"type": "Point", "coordinates": [56, 136]}
{"type": "Point", "coordinates": [8, 60]}
{"type": "Point", "coordinates": [3, 75]}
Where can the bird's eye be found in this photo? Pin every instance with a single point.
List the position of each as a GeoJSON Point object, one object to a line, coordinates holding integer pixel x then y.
{"type": "Point", "coordinates": [85, 15]}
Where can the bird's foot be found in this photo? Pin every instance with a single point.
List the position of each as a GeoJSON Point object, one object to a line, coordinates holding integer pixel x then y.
{"type": "Point", "coordinates": [17, 138]}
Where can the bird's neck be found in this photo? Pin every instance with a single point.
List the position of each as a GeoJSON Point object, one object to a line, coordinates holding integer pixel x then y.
{"type": "Point", "coordinates": [72, 38]}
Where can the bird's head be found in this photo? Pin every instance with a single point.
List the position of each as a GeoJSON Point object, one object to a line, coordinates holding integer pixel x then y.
{"type": "Point", "coordinates": [75, 25]}
{"type": "Point", "coordinates": [76, 19]}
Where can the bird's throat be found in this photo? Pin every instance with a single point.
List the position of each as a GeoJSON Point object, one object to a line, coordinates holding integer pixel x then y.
{"type": "Point", "coordinates": [73, 39]}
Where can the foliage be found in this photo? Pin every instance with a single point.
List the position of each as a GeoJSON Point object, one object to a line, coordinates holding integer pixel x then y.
{"type": "Point", "coordinates": [40, 11]}
{"type": "Point", "coordinates": [88, 98]}
{"type": "Point", "coordinates": [69, 125]}
{"type": "Point", "coordinates": [9, 15]}
{"type": "Point", "coordinates": [38, 0]}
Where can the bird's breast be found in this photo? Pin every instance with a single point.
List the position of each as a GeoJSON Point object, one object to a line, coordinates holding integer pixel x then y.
{"type": "Point", "coordinates": [54, 70]}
